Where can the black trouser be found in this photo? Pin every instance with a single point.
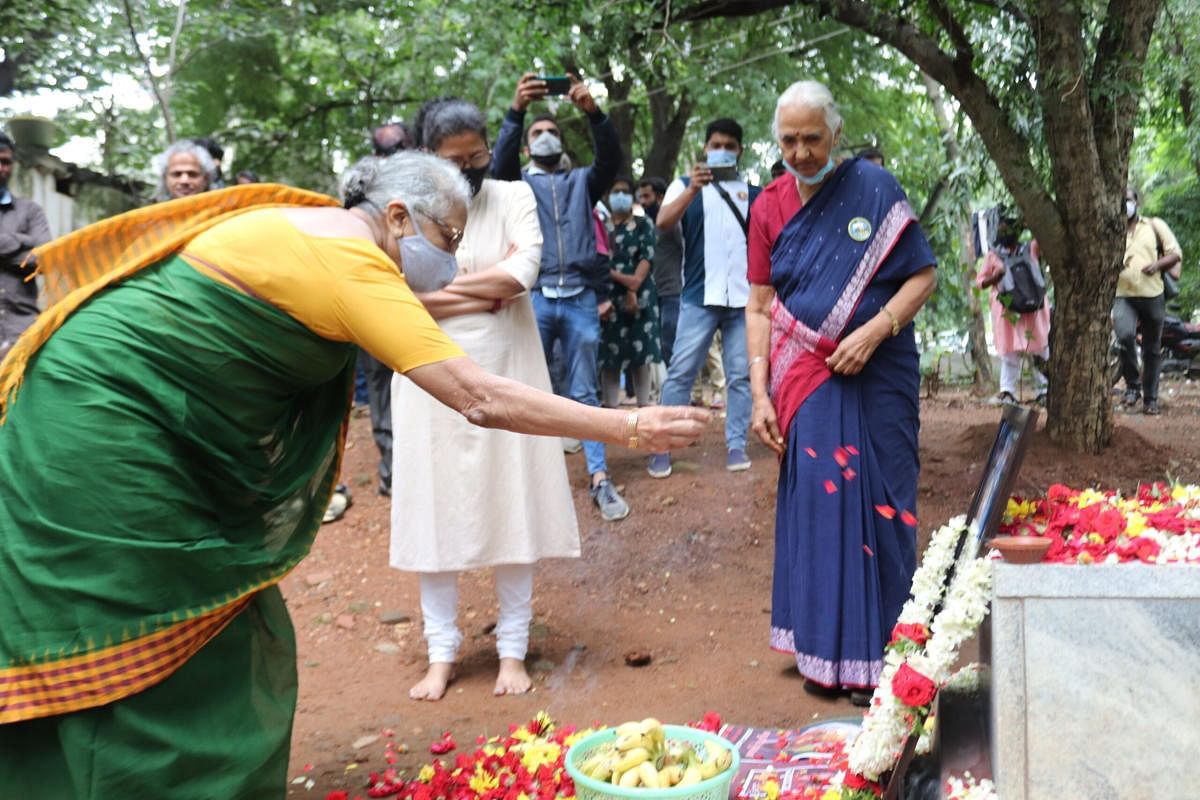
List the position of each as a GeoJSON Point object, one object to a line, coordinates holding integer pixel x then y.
{"type": "Point", "coordinates": [379, 399]}
{"type": "Point", "coordinates": [1127, 313]}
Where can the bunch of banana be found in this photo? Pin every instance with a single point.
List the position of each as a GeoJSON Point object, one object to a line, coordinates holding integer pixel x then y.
{"type": "Point", "coordinates": [641, 756]}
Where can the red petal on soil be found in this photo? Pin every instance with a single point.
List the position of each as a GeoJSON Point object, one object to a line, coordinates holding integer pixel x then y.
{"type": "Point", "coordinates": [811, 453]}
{"type": "Point", "coordinates": [868, 551]}
{"type": "Point", "coordinates": [830, 488]}
{"type": "Point", "coordinates": [887, 512]}
{"type": "Point", "coordinates": [908, 519]}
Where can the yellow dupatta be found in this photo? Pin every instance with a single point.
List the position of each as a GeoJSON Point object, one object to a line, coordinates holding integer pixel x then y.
{"type": "Point", "coordinates": [76, 266]}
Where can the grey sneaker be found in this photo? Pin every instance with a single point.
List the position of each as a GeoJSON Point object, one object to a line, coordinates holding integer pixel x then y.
{"type": "Point", "coordinates": [737, 460]}
{"type": "Point", "coordinates": [611, 506]}
{"type": "Point", "coordinates": [571, 446]}
{"type": "Point", "coordinates": [659, 465]}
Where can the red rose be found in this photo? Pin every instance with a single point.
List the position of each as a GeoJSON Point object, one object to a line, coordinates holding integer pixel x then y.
{"type": "Point", "coordinates": [1059, 493]}
{"type": "Point", "coordinates": [912, 688]}
{"type": "Point", "coordinates": [859, 783]}
{"type": "Point", "coordinates": [913, 631]}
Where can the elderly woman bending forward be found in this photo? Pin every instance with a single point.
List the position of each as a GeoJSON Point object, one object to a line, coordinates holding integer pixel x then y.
{"type": "Point", "coordinates": [174, 443]}
{"type": "Point", "coordinates": [838, 267]}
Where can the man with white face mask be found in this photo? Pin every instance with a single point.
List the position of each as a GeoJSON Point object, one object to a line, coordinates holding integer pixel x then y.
{"type": "Point", "coordinates": [573, 276]}
{"type": "Point", "coordinates": [1150, 250]}
{"type": "Point", "coordinates": [715, 287]}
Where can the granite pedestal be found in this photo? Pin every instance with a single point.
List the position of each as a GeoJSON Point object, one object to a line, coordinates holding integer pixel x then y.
{"type": "Point", "coordinates": [1095, 676]}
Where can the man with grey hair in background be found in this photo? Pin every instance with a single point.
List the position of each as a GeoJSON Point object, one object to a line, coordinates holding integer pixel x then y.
{"type": "Point", "coordinates": [184, 169]}
{"type": "Point", "coordinates": [22, 227]}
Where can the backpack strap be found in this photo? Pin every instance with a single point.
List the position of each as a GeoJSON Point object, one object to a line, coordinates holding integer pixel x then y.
{"type": "Point", "coordinates": [745, 223]}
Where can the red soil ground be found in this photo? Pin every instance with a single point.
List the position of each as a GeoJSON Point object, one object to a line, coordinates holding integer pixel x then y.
{"type": "Point", "coordinates": [686, 577]}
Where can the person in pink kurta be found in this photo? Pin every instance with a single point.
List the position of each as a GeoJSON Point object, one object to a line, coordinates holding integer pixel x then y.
{"type": "Point", "coordinates": [1015, 335]}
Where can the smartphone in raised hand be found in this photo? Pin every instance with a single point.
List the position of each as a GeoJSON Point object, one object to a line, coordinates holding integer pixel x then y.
{"type": "Point", "coordinates": [556, 84]}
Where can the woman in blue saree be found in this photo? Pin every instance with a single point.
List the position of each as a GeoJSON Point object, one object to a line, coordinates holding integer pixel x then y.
{"type": "Point", "coordinates": [838, 269]}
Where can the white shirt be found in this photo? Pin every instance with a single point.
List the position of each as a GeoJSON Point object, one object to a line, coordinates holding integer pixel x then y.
{"type": "Point", "coordinates": [725, 281]}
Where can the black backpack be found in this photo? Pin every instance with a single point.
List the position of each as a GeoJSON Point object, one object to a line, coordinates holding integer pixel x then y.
{"type": "Point", "coordinates": [1023, 288]}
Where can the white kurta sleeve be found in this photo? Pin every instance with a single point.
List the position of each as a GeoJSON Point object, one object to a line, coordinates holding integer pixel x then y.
{"type": "Point", "coordinates": [521, 228]}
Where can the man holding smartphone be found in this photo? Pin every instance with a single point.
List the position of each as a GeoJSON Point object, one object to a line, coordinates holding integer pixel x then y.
{"type": "Point", "coordinates": [711, 206]}
{"type": "Point", "coordinates": [573, 273]}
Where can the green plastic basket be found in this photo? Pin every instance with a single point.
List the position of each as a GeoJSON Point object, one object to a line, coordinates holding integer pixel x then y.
{"type": "Point", "coordinates": [715, 788]}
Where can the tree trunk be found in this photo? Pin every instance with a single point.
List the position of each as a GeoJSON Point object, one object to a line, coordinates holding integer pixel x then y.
{"type": "Point", "coordinates": [668, 120]}
{"type": "Point", "coordinates": [621, 111]}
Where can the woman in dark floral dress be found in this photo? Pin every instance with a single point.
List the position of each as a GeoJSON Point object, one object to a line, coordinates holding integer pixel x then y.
{"type": "Point", "coordinates": [630, 338]}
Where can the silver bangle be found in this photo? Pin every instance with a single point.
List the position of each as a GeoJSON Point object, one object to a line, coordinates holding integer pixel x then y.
{"type": "Point", "coordinates": [757, 359]}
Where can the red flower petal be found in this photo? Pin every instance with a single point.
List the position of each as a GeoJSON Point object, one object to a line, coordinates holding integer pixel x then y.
{"type": "Point", "coordinates": [841, 457]}
{"type": "Point", "coordinates": [849, 474]}
{"type": "Point", "coordinates": [851, 449]}
{"type": "Point", "coordinates": [887, 512]}
{"type": "Point", "coordinates": [908, 519]}
{"type": "Point", "coordinates": [868, 550]}
{"type": "Point", "coordinates": [811, 453]}
{"type": "Point", "coordinates": [830, 488]}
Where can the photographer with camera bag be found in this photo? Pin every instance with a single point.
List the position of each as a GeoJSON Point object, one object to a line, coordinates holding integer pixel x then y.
{"type": "Point", "coordinates": [1020, 313]}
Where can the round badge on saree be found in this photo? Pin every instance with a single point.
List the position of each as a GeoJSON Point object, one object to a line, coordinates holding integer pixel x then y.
{"type": "Point", "coordinates": [859, 229]}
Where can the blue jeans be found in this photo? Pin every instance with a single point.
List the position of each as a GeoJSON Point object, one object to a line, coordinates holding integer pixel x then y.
{"type": "Point", "coordinates": [574, 324]}
{"type": "Point", "coordinates": [668, 319]}
{"type": "Point", "coordinates": [697, 324]}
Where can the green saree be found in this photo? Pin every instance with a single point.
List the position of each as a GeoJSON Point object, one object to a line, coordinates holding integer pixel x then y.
{"type": "Point", "coordinates": [166, 462]}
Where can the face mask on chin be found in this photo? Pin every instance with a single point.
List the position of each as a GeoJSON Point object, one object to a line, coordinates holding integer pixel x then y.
{"type": "Point", "coordinates": [1130, 209]}
{"type": "Point", "coordinates": [426, 268]}
{"type": "Point", "coordinates": [813, 180]}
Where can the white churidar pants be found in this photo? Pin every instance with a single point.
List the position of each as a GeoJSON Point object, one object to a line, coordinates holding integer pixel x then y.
{"type": "Point", "coordinates": [439, 607]}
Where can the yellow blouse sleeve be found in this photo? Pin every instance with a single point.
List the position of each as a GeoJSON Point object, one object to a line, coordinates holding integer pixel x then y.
{"type": "Point", "coordinates": [374, 308]}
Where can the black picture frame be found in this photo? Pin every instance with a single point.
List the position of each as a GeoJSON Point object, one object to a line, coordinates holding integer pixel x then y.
{"type": "Point", "coordinates": [1017, 424]}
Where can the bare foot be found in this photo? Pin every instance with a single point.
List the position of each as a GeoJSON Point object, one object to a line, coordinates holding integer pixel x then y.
{"type": "Point", "coordinates": [433, 685]}
{"type": "Point", "coordinates": [513, 679]}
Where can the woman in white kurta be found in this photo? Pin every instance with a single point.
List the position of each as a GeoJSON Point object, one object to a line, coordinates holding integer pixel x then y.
{"type": "Point", "coordinates": [465, 497]}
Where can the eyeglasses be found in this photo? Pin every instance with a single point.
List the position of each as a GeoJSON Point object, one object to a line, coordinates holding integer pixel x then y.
{"type": "Point", "coordinates": [477, 160]}
{"type": "Point", "coordinates": [453, 235]}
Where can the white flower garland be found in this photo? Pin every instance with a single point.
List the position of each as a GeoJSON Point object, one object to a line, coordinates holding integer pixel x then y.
{"type": "Point", "coordinates": [968, 788]}
{"type": "Point", "coordinates": [877, 747]}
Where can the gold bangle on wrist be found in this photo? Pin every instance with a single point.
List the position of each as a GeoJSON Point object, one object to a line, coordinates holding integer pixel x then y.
{"type": "Point", "coordinates": [895, 322]}
{"type": "Point", "coordinates": [631, 431]}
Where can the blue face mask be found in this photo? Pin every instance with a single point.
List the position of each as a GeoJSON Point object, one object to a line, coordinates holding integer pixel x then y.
{"type": "Point", "coordinates": [426, 268]}
{"type": "Point", "coordinates": [722, 158]}
{"type": "Point", "coordinates": [620, 202]}
{"type": "Point", "coordinates": [821, 175]}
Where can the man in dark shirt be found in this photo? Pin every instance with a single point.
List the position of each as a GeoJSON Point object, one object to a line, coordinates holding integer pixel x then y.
{"type": "Point", "coordinates": [668, 263]}
{"type": "Point", "coordinates": [22, 227]}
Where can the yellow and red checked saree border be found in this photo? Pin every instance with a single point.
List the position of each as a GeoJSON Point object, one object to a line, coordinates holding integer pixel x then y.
{"type": "Point", "coordinates": [169, 456]}
{"type": "Point", "coordinates": [62, 685]}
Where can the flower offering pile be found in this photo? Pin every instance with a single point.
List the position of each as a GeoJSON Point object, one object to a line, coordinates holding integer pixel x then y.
{"type": "Point", "coordinates": [527, 764]}
{"type": "Point", "coordinates": [1160, 524]}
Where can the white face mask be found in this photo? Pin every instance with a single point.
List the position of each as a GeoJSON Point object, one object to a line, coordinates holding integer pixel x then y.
{"type": "Point", "coordinates": [1130, 208]}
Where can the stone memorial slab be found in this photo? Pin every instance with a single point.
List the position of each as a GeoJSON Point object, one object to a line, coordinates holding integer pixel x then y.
{"type": "Point", "coordinates": [1095, 681]}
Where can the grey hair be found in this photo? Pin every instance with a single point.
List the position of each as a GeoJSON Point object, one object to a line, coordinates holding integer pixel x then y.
{"type": "Point", "coordinates": [184, 147]}
{"type": "Point", "coordinates": [809, 94]}
{"type": "Point", "coordinates": [445, 117]}
{"type": "Point", "coordinates": [423, 182]}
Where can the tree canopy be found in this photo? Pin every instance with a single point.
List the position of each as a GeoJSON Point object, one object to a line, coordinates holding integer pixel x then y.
{"type": "Point", "coordinates": [974, 102]}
